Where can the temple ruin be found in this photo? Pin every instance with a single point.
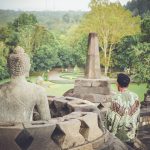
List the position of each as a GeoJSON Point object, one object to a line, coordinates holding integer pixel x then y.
{"type": "Point", "coordinates": [75, 124]}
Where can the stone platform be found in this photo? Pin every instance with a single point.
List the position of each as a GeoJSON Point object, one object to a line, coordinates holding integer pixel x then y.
{"type": "Point", "coordinates": [93, 90]}
{"type": "Point", "coordinates": [76, 125]}
{"type": "Point", "coordinates": [76, 131]}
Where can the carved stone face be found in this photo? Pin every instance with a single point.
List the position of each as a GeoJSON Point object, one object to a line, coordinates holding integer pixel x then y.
{"type": "Point", "coordinates": [19, 63]}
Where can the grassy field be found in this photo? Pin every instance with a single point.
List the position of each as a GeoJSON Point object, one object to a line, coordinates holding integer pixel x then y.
{"type": "Point", "coordinates": [54, 89]}
{"type": "Point", "coordinates": [58, 89]}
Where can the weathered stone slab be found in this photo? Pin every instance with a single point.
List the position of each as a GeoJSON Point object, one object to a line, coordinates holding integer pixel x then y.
{"type": "Point", "coordinates": [113, 143]}
{"type": "Point", "coordinates": [83, 82]}
{"type": "Point", "coordinates": [92, 83]}
{"type": "Point", "coordinates": [67, 135]}
{"type": "Point", "coordinates": [100, 141]}
{"type": "Point", "coordinates": [100, 83]}
{"type": "Point", "coordinates": [92, 90]}
{"type": "Point", "coordinates": [41, 133]}
{"type": "Point", "coordinates": [74, 115]}
{"type": "Point", "coordinates": [97, 98]}
{"type": "Point", "coordinates": [89, 127]}
{"type": "Point", "coordinates": [79, 105]}
{"type": "Point", "coordinates": [8, 136]}
{"type": "Point", "coordinates": [83, 147]}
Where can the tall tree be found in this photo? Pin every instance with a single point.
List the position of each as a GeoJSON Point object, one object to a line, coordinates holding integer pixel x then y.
{"type": "Point", "coordinates": [111, 22]}
{"type": "Point", "coordinates": [134, 52]}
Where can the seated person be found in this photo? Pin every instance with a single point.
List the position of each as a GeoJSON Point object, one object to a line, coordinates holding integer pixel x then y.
{"type": "Point", "coordinates": [19, 97]}
{"type": "Point", "coordinates": [122, 117]}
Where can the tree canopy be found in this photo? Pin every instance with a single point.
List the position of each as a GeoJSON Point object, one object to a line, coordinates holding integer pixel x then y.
{"type": "Point", "coordinates": [111, 22]}
{"type": "Point", "coordinates": [138, 7]}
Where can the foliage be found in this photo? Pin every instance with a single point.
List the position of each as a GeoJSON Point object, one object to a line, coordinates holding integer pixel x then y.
{"type": "Point", "coordinates": [111, 22]}
{"type": "Point", "coordinates": [145, 27]}
{"type": "Point", "coordinates": [121, 57]}
{"type": "Point", "coordinates": [3, 61]}
{"type": "Point", "coordinates": [53, 20]}
{"type": "Point", "coordinates": [134, 52]}
{"type": "Point", "coordinates": [65, 55]}
{"type": "Point", "coordinates": [141, 62]}
{"type": "Point", "coordinates": [45, 58]}
{"type": "Point", "coordinates": [24, 19]}
{"type": "Point", "coordinates": [138, 7]}
{"type": "Point", "coordinates": [80, 50]}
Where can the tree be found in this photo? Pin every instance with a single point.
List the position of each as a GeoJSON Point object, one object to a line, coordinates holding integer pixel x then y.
{"type": "Point", "coordinates": [138, 7]}
{"type": "Point", "coordinates": [111, 22]}
{"type": "Point", "coordinates": [145, 27]}
{"type": "Point", "coordinates": [45, 58]}
{"type": "Point", "coordinates": [24, 19]}
{"type": "Point", "coordinates": [121, 56]}
{"type": "Point", "coordinates": [3, 61]}
{"type": "Point", "coordinates": [134, 52]}
{"type": "Point", "coordinates": [65, 56]}
{"type": "Point", "coordinates": [80, 48]}
{"type": "Point", "coordinates": [141, 62]}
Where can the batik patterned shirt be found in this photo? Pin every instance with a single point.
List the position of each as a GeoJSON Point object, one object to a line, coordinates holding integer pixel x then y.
{"type": "Point", "coordinates": [122, 117]}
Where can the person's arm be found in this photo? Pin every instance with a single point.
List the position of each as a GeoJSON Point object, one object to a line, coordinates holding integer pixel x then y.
{"type": "Point", "coordinates": [43, 106]}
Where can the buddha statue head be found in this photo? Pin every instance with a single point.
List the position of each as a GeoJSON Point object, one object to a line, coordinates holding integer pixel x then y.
{"type": "Point", "coordinates": [19, 63]}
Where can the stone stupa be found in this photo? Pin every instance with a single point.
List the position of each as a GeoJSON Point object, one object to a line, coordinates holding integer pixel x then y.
{"type": "Point", "coordinates": [93, 87]}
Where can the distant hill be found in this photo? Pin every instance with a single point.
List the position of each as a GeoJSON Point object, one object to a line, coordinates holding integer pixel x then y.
{"type": "Point", "coordinates": [59, 20]}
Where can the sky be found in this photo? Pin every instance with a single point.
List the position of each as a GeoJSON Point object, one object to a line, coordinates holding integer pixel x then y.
{"type": "Point", "coordinates": [39, 5]}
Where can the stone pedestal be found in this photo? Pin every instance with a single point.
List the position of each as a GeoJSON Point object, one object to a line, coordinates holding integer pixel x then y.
{"type": "Point", "coordinates": [93, 90]}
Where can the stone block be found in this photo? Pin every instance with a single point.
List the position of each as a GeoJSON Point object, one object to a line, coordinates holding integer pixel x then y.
{"type": "Point", "coordinates": [66, 134]}
{"type": "Point", "coordinates": [100, 141]}
{"type": "Point", "coordinates": [89, 127]}
{"type": "Point", "coordinates": [113, 143]}
{"type": "Point", "coordinates": [41, 132]}
{"type": "Point", "coordinates": [74, 115]}
{"type": "Point", "coordinates": [92, 90]}
{"type": "Point", "coordinates": [100, 83]}
{"type": "Point", "coordinates": [97, 98]}
{"type": "Point", "coordinates": [83, 83]}
{"type": "Point", "coordinates": [79, 104]}
{"type": "Point", "coordinates": [83, 147]}
{"type": "Point", "coordinates": [8, 136]}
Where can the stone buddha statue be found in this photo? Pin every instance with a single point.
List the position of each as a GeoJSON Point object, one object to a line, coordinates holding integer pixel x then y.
{"type": "Point", "coordinates": [19, 97]}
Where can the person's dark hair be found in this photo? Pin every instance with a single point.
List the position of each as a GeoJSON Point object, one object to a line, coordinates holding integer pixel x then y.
{"type": "Point", "coordinates": [123, 80]}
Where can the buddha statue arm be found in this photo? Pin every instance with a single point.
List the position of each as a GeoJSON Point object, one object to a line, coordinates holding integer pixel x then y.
{"type": "Point", "coordinates": [43, 106]}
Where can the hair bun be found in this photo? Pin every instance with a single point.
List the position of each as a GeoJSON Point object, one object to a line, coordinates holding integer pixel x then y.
{"type": "Point", "coordinates": [18, 50]}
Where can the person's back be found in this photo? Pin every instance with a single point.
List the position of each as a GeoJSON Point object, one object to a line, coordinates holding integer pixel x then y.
{"type": "Point", "coordinates": [19, 97]}
{"type": "Point", "coordinates": [122, 118]}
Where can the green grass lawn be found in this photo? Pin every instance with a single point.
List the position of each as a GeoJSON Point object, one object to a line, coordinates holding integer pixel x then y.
{"type": "Point", "coordinates": [58, 89]}
{"type": "Point", "coordinates": [54, 89]}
